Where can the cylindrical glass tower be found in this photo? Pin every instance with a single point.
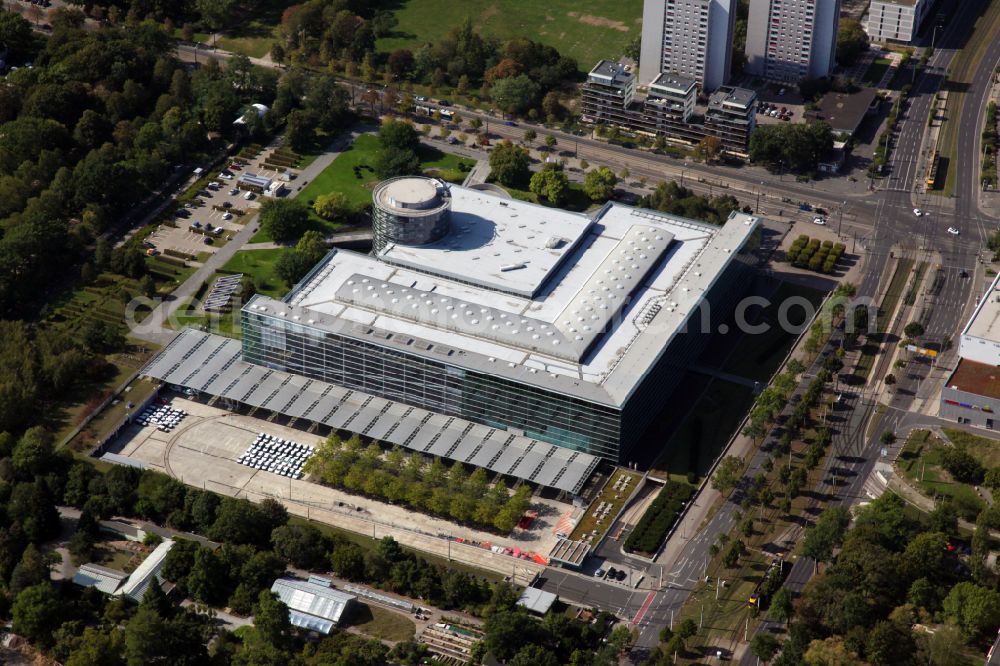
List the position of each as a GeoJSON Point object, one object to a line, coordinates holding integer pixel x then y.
{"type": "Point", "coordinates": [409, 210]}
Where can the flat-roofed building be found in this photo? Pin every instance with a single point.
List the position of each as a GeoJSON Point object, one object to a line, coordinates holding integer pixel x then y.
{"type": "Point", "coordinates": [896, 20]}
{"type": "Point", "coordinates": [732, 116]}
{"type": "Point", "coordinates": [608, 93]}
{"type": "Point", "coordinates": [253, 183]}
{"type": "Point", "coordinates": [971, 394]}
{"type": "Point", "coordinates": [527, 340]}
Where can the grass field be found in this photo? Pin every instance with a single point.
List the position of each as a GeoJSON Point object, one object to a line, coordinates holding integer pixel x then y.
{"type": "Point", "coordinates": [259, 264]}
{"type": "Point", "coordinates": [587, 31]}
{"type": "Point", "coordinates": [920, 461]}
{"type": "Point", "coordinates": [985, 449]}
{"type": "Point", "coordinates": [382, 624]}
{"type": "Point", "coordinates": [876, 71]}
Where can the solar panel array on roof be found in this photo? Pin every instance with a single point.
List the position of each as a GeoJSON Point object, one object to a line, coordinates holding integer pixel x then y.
{"type": "Point", "coordinates": [182, 363]}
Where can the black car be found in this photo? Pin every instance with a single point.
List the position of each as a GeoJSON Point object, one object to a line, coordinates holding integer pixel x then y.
{"type": "Point", "coordinates": [444, 102]}
{"type": "Point", "coordinates": [620, 575]}
{"type": "Point", "coordinates": [208, 241]}
{"type": "Point", "coordinates": [613, 573]}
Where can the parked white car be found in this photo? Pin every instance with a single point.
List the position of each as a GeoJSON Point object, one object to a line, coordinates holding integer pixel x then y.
{"type": "Point", "coordinates": [918, 212]}
{"type": "Point", "coordinates": [248, 196]}
{"type": "Point", "coordinates": [953, 231]}
{"type": "Point", "coordinates": [819, 220]}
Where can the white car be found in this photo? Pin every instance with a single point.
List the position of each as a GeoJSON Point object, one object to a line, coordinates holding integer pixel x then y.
{"type": "Point", "coordinates": [227, 216]}
{"type": "Point", "coordinates": [953, 231]}
{"type": "Point", "coordinates": [227, 176]}
{"type": "Point", "coordinates": [248, 196]}
{"type": "Point", "coordinates": [234, 192]}
{"type": "Point", "coordinates": [918, 212]}
{"type": "Point", "coordinates": [819, 220]}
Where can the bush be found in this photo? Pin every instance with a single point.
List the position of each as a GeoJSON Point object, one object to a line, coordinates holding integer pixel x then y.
{"type": "Point", "coordinates": [963, 466]}
{"type": "Point", "coordinates": [659, 518]}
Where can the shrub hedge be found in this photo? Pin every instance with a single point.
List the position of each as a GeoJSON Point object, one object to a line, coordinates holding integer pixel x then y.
{"type": "Point", "coordinates": [810, 253]}
{"type": "Point", "coordinates": [659, 518]}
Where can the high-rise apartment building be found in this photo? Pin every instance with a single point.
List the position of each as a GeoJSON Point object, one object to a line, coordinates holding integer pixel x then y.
{"type": "Point", "coordinates": [690, 38]}
{"type": "Point", "coordinates": [788, 40]}
{"type": "Point", "coordinates": [896, 20]}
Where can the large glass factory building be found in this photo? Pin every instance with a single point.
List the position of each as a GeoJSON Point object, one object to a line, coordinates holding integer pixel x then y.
{"type": "Point", "coordinates": [505, 324]}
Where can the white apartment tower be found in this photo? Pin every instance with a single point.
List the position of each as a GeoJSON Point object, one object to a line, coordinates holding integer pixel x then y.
{"type": "Point", "coordinates": [896, 20]}
{"type": "Point", "coordinates": [689, 38]}
{"type": "Point", "coordinates": [788, 40]}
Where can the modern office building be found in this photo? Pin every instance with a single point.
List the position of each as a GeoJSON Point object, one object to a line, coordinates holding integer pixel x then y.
{"type": "Point", "coordinates": [971, 394]}
{"type": "Point", "coordinates": [731, 116]}
{"type": "Point", "coordinates": [691, 38]}
{"type": "Point", "coordinates": [788, 40]}
{"type": "Point", "coordinates": [527, 340]}
{"type": "Point", "coordinates": [896, 20]}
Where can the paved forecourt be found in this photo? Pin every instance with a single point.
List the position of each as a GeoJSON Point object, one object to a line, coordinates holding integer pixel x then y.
{"type": "Point", "coordinates": [203, 452]}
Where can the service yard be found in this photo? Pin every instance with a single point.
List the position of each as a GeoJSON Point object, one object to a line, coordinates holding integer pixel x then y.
{"type": "Point", "coordinates": [203, 449]}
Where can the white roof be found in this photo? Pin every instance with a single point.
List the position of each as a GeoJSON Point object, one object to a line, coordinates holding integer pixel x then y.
{"type": "Point", "coordinates": [632, 275]}
{"type": "Point", "coordinates": [104, 579]}
{"type": "Point", "coordinates": [148, 570]}
{"type": "Point", "coordinates": [536, 600]}
{"type": "Point", "coordinates": [489, 235]}
{"type": "Point", "coordinates": [985, 321]}
{"type": "Point", "coordinates": [312, 605]}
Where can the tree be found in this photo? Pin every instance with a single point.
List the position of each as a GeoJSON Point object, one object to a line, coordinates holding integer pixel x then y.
{"type": "Point", "coordinates": [270, 618]}
{"type": "Point", "coordinates": [781, 605]}
{"type": "Point", "coordinates": [551, 184]}
{"type": "Point", "coordinates": [207, 580]}
{"type": "Point", "coordinates": [727, 474]}
{"type": "Point", "coordinates": [278, 53]}
{"type": "Point", "coordinates": [708, 148]}
{"type": "Point", "coordinates": [302, 545]}
{"type": "Point", "coordinates": [889, 643]}
{"type": "Point", "coordinates": [283, 220]}
{"type": "Point", "coordinates": [764, 646]}
{"type": "Point", "coordinates": [515, 94]}
{"type": "Point", "coordinates": [852, 41]}
{"type": "Point", "coordinates": [913, 330]}
{"type": "Point", "coordinates": [97, 648]}
{"type": "Point", "coordinates": [830, 652]}
{"type": "Point", "coordinates": [599, 184]}
{"type": "Point", "coordinates": [509, 165]}
{"type": "Point", "coordinates": [975, 609]}
{"type": "Point", "coordinates": [550, 141]}
{"type": "Point", "coordinates": [530, 135]}
{"type": "Point", "coordinates": [31, 570]}
{"type": "Point", "coordinates": [533, 655]}
{"type": "Point", "coordinates": [36, 613]}
{"type": "Point", "coordinates": [333, 206]}
{"type": "Point", "coordinates": [292, 266]}
{"type": "Point", "coordinates": [826, 534]}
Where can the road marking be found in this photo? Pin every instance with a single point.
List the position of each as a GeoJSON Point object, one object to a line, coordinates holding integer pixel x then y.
{"type": "Point", "coordinates": [645, 607]}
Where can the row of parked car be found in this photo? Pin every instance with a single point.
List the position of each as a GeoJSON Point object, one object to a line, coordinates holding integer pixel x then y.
{"type": "Point", "coordinates": [774, 111]}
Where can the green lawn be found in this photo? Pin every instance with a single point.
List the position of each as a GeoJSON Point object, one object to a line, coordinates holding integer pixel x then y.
{"type": "Point", "coordinates": [876, 71]}
{"type": "Point", "coordinates": [382, 624]}
{"type": "Point", "coordinates": [587, 31]}
{"type": "Point", "coordinates": [920, 461]}
{"type": "Point", "coordinates": [259, 264]}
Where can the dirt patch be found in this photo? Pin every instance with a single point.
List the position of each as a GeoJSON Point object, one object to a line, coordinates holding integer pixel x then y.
{"type": "Point", "coordinates": [601, 22]}
{"type": "Point", "coordinates": [572, 14]}
{"type": "Point", "coordinates": [489, 13]}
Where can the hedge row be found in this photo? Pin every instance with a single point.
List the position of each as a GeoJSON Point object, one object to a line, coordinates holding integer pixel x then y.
{"type": "Point", "coordinates": [659, 518]}
{"type": "Point", "coordinates": [819, 256]}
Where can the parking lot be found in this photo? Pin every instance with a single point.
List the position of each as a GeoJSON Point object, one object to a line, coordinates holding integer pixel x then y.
{"type": "Point", "coordinates": [205, 450]}
{"type": "Point", "coordinates": [217, 212]}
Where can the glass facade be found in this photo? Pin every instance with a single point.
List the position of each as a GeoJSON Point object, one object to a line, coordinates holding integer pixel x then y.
{"type": "Point", "coordinates": [425, 382]}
